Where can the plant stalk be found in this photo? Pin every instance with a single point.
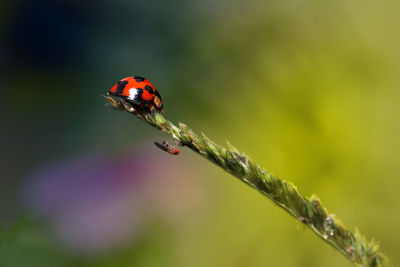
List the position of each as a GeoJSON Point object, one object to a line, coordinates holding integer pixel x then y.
{"type": "Point", "coordinates": [310, 211]}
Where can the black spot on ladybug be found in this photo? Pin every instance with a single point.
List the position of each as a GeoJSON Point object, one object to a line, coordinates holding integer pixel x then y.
{"type": "Point", "coordinates": [139, 93]}
{"type": "Point", "coordinates": [139, 79]}
{"type": "Point", "coordinates": [120, 87]}
{"type": "Point", "coordinates": [138, 97]}
{"type": "Point", "coordinates": [149, 89]}
{"type": "Point", "coordinates": [158, 94]}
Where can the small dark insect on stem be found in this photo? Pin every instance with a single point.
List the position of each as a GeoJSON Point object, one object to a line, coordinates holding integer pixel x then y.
{"type": "Point", "coordinates": [173, 150]}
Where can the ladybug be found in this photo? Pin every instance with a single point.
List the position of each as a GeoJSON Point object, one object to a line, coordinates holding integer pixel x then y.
{"type": "Point", "coordinates": [167, 148]}
{"type": "Point", "coordinates": [138, 91]}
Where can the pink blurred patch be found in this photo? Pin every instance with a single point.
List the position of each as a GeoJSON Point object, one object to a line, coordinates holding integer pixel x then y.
{"type": "Point", "coordinates": [96, 204]}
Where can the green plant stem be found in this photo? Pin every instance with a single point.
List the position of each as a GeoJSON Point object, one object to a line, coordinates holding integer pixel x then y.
{"type": "Point", "coordinates": [309, 211]}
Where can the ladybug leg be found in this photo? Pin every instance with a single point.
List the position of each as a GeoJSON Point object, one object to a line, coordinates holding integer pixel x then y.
{"type": "Point", "coordinates": [150, 110]}
{"type": "Point", "coordinates": [141, 108]}
{"type": "Point", "coordinates": [151, 107]}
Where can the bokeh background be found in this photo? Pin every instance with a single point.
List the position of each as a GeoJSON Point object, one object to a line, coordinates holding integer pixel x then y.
{"type": "Point", "coordinates": [308, 89]}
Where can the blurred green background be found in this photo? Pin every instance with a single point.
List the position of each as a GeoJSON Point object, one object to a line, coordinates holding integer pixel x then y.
{"type": "Point", "coordinates": [308, 89]}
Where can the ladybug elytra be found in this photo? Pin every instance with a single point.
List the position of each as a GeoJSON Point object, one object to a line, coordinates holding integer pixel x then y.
{"type": "Point", "coordinates": [139, 91]}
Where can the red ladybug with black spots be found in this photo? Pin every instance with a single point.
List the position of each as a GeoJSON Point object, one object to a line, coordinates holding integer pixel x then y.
{"type": "Point", "coordinates": [138, 91]}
